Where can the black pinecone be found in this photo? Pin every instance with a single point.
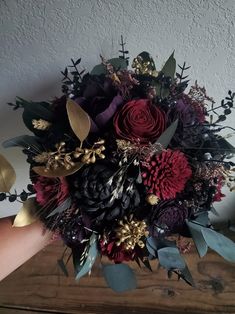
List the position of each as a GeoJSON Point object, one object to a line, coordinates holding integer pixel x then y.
{"type": "Point", "coordinates": [95, 196]}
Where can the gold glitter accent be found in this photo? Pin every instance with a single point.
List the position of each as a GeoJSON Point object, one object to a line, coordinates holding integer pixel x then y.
{"type": "Point", "coordinates": [152, 199]}
{"type": "Point", "coordinates": [130, 232]}
{"type": "Point", "coordinates": [144, 66]}
{"type": "Point", "coordinates": [123, 80]}
{"type": "Point", "coordinates": [41, 124]}
{"type": "Point", "coordinates": [60, 157]}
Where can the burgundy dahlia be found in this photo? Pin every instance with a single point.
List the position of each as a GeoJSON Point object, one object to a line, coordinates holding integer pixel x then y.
{"type": "Point", "coordinates": [166, 174]}
{"type": "Point", "coordinates": [116, 253]}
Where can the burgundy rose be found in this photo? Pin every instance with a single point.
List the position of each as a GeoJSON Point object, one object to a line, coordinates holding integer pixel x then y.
{"type": "Point", "coordinates": [166, 174]}
{"type": "Point", "coordinates": [139, 120]}
{"type": "Point", "coordinates": [51, 190]}
{"type": "Point", "coordinates": [116, 253]}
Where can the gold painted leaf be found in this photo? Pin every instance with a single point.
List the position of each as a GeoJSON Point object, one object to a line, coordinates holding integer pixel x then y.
{"type": "Point", "coordinates": [78, 119]}
{"type": "Point", "coordinates": [27, 214]}
{"type": "Point", "coordinates": [59, 172]}
{"type": "Point", "coordinates": [7, 175]}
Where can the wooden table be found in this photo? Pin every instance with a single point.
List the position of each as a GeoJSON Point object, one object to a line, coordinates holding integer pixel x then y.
{"type": "Point", "coordinates": [40, 287]}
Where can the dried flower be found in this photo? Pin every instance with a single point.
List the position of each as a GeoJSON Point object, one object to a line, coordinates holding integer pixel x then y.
{"type": "Point", "coordinates": [41, 124]}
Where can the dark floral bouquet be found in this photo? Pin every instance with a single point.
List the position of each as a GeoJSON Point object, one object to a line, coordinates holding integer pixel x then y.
{"type": "Point", "coordinates": [126, 164]}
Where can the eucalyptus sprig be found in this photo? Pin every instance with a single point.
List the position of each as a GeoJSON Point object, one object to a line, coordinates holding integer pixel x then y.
{"type": "Point", "coordinates": [72, 79]}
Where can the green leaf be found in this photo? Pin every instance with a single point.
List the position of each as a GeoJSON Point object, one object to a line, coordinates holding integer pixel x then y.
{"type": "Point", "coordinates": [25, 141]}
{"type": "Point", "coordinates": [196, 232]}
{"type": "Point", "coordinates": [119, 277]}
{"type": "Point", "coordinates": [90, 259]}
{"type": "Point", "coordinates": [219, 243]}
{"type": "Point", "coordinates": [38, 109]}
{"type": "Point", "coordinates": [214, 211]}
{"type": "Point", "coordinates": [63, 267]}
{"type": "Point", "coordinates": [152, 246]}
{"type": "Point", "coordinates": [168, 134]}
{"type": "Point", "coordinates": [169, 67]}
{"type": "Point", "coordinates": [203, 219]}
{"type": "Point", "coordinates": [35, 110]}
{"type": "Point", "coordinates": [186, 276]}
{"type": "Point", "coordinates": [170, 258]}
{"type": "Point", "coordinates": [225, 146]}
{"type": "Point", "coordinates": [117, 63]}
{"type": "Point", "coordinates": [62, 207]}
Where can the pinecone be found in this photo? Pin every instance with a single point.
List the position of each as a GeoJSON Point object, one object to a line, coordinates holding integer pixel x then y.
{"type": "Point", "coordinates": [103, 194]}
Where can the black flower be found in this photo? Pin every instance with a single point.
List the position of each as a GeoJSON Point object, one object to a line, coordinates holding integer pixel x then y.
{"type": "Point", "coordinates": [104, 195]}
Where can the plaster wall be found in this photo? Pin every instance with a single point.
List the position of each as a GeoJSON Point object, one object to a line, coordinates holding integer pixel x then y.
{"type": "Point", "coordinates": [38, 38]}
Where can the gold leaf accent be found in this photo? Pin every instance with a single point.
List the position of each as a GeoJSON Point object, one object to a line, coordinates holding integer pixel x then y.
{"type": "Point", "coordinates": [27, 214]}
{"type": "Point", "coordinates": [78, 119]}
{"type": "Point", "coordinates": [7, 175]}
{"type": "Point", "coordinates": [58, 172]}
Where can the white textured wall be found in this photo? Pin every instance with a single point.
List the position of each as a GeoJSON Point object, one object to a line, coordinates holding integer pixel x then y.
{"type": "Point", "coordinates": [38, 37]}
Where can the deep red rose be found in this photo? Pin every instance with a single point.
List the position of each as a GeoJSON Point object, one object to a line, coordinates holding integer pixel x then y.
{"type": "Point", "coordinates": [116, 253]}
{"type": "Point", "coordinates": [51, 190]}
{"type": "Point", "coordinates": [139, 120]}
{"type": "Point", "coordinates": [166, 174]}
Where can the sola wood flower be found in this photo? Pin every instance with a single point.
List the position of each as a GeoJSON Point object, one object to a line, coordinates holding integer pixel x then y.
{"type": "Point", "coordinates": [166, 174]}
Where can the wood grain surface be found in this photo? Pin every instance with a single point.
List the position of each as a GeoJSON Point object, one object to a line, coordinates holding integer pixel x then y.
{"type": "Point", "coordinates": [39, 287]}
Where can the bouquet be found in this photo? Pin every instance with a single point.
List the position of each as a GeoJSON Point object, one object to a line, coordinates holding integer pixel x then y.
{"type": "Point", "coordinates": [127, 164]}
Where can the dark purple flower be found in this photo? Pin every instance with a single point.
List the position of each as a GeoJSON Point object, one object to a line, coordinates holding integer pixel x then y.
{"type": "Point", "coordinates": [100, 100]}
{"type": "Point", "coordinates": [169, 216]}
{"type": "Point", "coordinates": [190, 112]}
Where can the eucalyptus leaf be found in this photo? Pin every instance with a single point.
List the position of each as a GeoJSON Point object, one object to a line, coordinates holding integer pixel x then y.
{"type": "Point", "coordinates": [170, 258]}
{"type": "Point", "coordinates": [225, 146]}
{"type": "Point", "coordinates": [152, 246]}
{"type": "Point", "coordinates": [169, 67]}
{"type": "Point", "coordinates": [62, 207]}
{"type": "Point", "coordinates": [196, 232]}
{"type": "Point", "coordinates": [7, 175]}
{"type": "Point", "coordinates": [76, 253]}
{"type": "Point", "coordinates": [214, 211]}
{"type": "Point", "coordinates": [63, 267]}
{"type": "Point", "coordinates": [186, 275]}
{"type": "Point", "coordinates": [90, 259]}
{"type": "Point", "coordinates": [168, 134]}
{"type": "Point", "coordinates": [119, 277]}
{"type": "Point", "coordinates": [27, 214]}
{"type": "Point", "coordinates": [78, 119]}
{"type": "Point", "coordinates": [203, 219]}
{"type": "Point", "coordinates": [219, 243]}
{"type": "Point", "coordinates": [58, 172]}
{"type": "Point", "coordinates": [24, 141]}
{"type": "Point", "coordinates": [117, 63]}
